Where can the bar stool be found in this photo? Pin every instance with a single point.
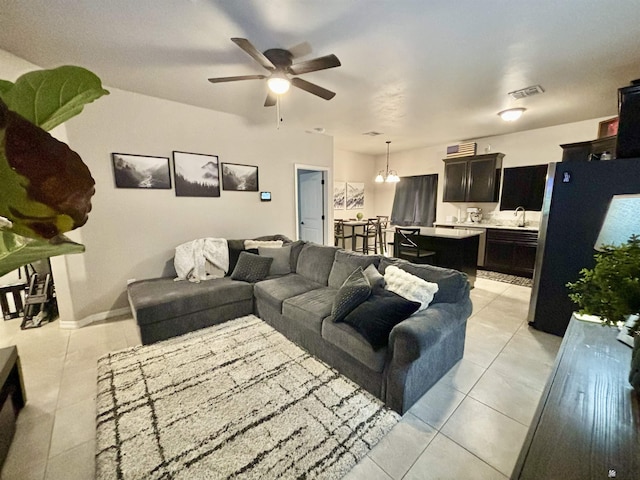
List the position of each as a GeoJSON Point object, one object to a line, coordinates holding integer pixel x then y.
{"type": "Point", "coordinates": [383, 224]}
{"type": "Point", "coordinates": [370, 232]}
{"type": "Point", "coordinates": [338, 232]}
{"type": "Point", "coordinates": [408, 248]}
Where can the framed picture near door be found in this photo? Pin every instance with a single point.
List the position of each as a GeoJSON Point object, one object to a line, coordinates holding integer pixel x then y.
{"type": "Point", "coordinates": [355, 196]}
{"type": "Point", "coordinates": [241, 178]}
{"type": "Point", "coordinates": [339, 195]}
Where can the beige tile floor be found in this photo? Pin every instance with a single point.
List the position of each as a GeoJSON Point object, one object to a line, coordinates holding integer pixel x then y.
{"type": "Point", "coordinates": [470, 425]}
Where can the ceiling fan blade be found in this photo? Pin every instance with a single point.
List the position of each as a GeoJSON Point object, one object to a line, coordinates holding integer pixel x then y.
{"type": "Point", "coordinates": [271, 99]}
{"type": "Point", "coordinates": [300, 50]}
{"type": "Point", "coordinates": [320, 63]}
{"type": "Point", "coordinates": [234, 79]}
{"type": "Point", "coordinates": [313, 88]}
{"type": "Point", "coordinates": [248, 47]}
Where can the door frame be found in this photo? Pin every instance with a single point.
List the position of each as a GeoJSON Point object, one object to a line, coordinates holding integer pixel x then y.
{"type": "Point", "coordinates": [327, 175]}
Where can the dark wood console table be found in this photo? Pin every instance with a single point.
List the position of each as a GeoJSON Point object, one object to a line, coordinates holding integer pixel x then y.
{"type": "Point", "coordinates": [587, 425]}
{"type": "Point", "coordinates": [12, 397]}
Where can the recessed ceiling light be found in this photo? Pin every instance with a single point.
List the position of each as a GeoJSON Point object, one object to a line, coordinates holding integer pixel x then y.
{"type": "Point", "coordinates": [372, 133]}
{"type": "Point", "coordinates": [511, 114]}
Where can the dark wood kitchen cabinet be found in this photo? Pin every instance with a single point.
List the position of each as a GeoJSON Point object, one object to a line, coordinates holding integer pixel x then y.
{"type": "Point", "coordinates": [472, 179]}
{"type": "Point", "coordinates": [511, 251]}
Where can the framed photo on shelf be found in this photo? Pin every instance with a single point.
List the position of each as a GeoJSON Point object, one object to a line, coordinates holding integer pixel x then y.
{"type": "Point", "coordinates": [196, 174]}
{"type": "Point", "coordinates": [608, 128]}
{"type": "Point", "coordinates": [239, 178]}
{"type": "Point", "coordinates": [141, 171]}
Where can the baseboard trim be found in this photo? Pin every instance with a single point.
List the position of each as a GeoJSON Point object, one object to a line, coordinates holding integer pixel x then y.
{"type": "Point", "coordinates": [96, 317]}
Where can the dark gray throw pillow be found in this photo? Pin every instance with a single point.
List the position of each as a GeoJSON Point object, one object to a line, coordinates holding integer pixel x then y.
{"type": "Point", "coordinates": [353, 292]}
{"type": "Point", "coordinates": [375, 317]}
{"type": "Point", "coordinates": [251, 267]}
{"type": "Point", "coordinates": [376, 279]}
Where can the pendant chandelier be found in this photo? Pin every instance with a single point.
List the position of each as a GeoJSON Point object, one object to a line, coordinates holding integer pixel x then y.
{"type": "Point", "coordinates": [388, 176]}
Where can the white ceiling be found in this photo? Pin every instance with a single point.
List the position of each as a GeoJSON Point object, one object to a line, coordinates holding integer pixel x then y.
{"type": "Point", "coordinates": [422, 72]}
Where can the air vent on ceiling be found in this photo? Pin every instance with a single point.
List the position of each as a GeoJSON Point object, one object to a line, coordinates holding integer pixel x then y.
{"type": "Point", "coordinates": [527, 92]}
{"type": "Point", "coordinates": [372, 133]}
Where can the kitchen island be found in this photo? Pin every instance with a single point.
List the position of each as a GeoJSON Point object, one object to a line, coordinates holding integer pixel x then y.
{"type": "Point", "coordinates": [454, 248]}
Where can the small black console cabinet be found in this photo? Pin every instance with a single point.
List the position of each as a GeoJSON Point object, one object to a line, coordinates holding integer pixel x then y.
{"type": "Point", "coordinates": [587, 425]}
{"type": "Point", "coordinates": [12, 397]}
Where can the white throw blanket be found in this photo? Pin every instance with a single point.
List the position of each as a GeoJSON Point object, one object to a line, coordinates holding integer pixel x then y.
{"type": "Point", "coordinates": [191, 259]}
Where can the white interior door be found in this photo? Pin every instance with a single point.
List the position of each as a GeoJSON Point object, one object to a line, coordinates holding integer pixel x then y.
{"type": "Point", "coordinates": [311, 205]}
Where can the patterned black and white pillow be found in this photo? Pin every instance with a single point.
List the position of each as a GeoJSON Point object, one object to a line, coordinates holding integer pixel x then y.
{"type": "Point", "coordinates": [355, 290]}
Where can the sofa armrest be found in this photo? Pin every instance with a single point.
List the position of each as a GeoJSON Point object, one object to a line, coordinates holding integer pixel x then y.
{"type": "Point", "coordinates": [414, 336]}
{"type": "Point", "coordinates": [422, 349]}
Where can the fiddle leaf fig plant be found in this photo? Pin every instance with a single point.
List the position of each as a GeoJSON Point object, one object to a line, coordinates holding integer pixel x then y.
{"type": "Point", "coordinates": [46, 187]}
{"type": "Point", "coordinates": [611, 290]}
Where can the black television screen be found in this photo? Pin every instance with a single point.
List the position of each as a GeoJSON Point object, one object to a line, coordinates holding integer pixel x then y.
{"type": "Point", "coordinates": [523, 187]}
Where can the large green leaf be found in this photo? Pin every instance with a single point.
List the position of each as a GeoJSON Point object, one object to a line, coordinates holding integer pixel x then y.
{"type": "Point", "coordinates": [16, 251]}
{"type": "Point", "coordinates": [48, 98]}
{"type": "Point", "coordinates": [5, 85]}
{"type": "Point", "coordinates": [46, 188]}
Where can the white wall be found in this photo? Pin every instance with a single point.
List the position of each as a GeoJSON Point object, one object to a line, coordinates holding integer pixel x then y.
{"type": "Point", "coordinates": [532, 147]}
{"type": "Point", "coordinates": [131, 233]}
{"type": "Point", "coordinates": [358, 168]}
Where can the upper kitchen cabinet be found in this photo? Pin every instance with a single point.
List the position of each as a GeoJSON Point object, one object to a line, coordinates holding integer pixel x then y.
{"type": "Point", "coordinates": [472, 179]}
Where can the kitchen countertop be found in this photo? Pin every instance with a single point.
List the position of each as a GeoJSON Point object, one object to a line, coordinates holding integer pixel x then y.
{"type": "Point", "coordinates": [443, 232]}
{"type": "Point", "coordinates": [529, 228]}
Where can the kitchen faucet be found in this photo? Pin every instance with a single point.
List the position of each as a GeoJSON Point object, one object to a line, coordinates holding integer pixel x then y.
{"type": "Point", "coordinates": [521, 222]}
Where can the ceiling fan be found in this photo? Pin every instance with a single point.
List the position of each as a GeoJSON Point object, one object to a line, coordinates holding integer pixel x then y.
{"type": "Point", "coordinates": [280, 64]}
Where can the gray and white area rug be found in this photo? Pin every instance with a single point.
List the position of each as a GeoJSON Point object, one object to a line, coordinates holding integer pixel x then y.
{"type": "Point", "coordinates": [237, 400]}
{"type": "Point", "coordinates": [504, 277]}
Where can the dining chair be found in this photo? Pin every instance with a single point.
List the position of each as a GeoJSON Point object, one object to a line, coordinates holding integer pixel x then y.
{"type": "Point", "coordinates": [408, 247]}
{"type": "Point", "coordinates": [369, 236]}
{"type": "Point", "coordinates": [383, 225]}
{"type": "Point", "coordinates": [338, 232]}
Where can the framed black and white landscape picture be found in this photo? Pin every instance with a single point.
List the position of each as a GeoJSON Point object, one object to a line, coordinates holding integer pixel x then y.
{"type": "Point", "coordinates": [196, 174]}
{"type": "Point", "coordinates": [241, 178]}
{"type": "Point", "coordinates": [355, 195]}
{"type": "Point", "coordinates": [141, 171]}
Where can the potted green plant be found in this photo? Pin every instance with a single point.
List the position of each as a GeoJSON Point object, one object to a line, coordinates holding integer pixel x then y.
{"type": "Point", "coordinates": [611, 290]}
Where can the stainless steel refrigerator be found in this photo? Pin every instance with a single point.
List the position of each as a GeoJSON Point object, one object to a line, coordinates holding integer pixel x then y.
{"type": "Point", "coordinates": [576, 198]}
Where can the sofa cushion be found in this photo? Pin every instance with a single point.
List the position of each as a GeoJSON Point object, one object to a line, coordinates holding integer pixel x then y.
{"type": "Point", "coordinates": [315, 262]}
{"type": "Point", "coordinates": [281, 259]}
{"type": "Point", "coordinates": [345, 263]}
{"type": "Point", "coordinates": [347, 339]}
{"type": "Point", "coordinates": [296, 248]}
{"type": "Point", "coordinates": [235, 247]}
{"type": "Point", "coordinates": [409, 286]}
{"type": "Point", "coordinates": [375, 317]}
{"type": "Point", "coordinates": [452, 284]}
{"type": "Point", "coordinates": [309, 309]}
{"type": "Point", "coordinates": [251, 267]}
{"type": "Point", "coordinates": [162, 298]}
{"type": "Point", "coordinates": [375, 278]}
{"type": "Point", "coordinates": [274, 291]}
{"type": "Point", "coordinates": [353, 292]}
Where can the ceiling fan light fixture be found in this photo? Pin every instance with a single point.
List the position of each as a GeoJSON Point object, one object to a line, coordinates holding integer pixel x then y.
{"type": "Point", "coordinates": [511, 114]}
{"type": "Point", "coordinates": [278, 83]}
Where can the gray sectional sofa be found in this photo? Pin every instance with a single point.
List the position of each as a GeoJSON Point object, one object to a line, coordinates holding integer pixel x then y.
{"type": "Point", "coordinates": [420, 349]}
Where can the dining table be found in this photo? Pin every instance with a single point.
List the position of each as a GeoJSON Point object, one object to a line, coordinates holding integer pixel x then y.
{"type": "Point", "coordinates": [355, 225]}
